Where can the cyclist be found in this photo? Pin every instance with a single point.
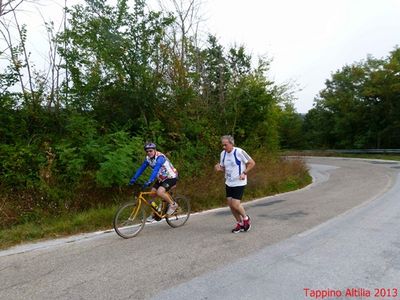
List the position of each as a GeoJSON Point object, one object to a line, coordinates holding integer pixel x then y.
{"type": "Point", "coordinates": [163, 170]}
{"type": "Point", "coordinates": [236, 163]}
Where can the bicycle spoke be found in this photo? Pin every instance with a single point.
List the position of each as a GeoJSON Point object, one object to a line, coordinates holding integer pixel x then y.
{"type": "Point", "coordinates": [129, 220]}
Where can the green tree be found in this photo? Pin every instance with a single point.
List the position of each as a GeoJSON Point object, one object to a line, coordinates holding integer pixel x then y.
{"type": "Point", "coordinates": [359, 107]}
{"type": "Point", "coordinates": [290, 128]}
{"type": "Point", "coordinates": [114, 60]}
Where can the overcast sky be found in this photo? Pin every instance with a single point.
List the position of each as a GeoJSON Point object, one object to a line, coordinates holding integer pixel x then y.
{"type": "Point", "coordinates": [307, 39]}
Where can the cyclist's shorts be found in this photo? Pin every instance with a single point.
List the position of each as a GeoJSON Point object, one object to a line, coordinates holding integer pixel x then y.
{"type": "Point", "coordinates": [235, 192]}
{"type": "Point", "coordinates": [167, 183]}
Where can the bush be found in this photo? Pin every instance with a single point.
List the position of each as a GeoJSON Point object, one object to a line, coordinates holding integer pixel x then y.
{"type": "Point", "coordinates": [19, 165]}
{"type": "Point", "coordinates": [117, 167]}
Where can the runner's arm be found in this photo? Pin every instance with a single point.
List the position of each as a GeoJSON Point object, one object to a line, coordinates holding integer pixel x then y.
{"type": "Point", "coordinates": [248, 161]}
{"type": "Point", "coordinates": [219, 167]}
{"type": "Point", "coordinates": [249, 165]}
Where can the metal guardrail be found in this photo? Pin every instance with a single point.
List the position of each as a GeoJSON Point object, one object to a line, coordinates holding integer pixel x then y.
{"type": "Point", "coordinates": [366, 151]}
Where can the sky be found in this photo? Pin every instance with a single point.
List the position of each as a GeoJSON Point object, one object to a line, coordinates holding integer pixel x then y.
{"type": "Point", "coordinates": [307, 40]}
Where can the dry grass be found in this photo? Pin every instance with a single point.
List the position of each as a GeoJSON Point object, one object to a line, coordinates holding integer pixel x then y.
{"type": "Point", "coordinates": [327, 153]}
{"type": "Point", "coordinates": [271, 175]}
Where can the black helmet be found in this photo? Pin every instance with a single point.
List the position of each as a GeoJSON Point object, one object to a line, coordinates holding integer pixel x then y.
{"type": "Point", "coordinates": [149, 145]}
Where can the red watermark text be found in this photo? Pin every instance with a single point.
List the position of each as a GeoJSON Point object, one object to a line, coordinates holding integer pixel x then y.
{"type": "Point", "coordinates": [387, 293]}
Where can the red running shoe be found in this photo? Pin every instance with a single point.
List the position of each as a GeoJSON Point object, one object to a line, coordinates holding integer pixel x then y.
{"type": "Point", "coordinates": [238, 228]}
{"type": "Point", "coordinates": [247, 224]}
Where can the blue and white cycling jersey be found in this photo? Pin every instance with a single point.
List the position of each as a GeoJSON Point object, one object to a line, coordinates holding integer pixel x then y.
{"type": "Point", "coordinates": [162, 168]}
{"type": "Point", "coordinates": [234, 163]}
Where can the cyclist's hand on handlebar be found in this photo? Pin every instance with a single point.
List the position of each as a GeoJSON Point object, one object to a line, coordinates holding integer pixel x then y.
{"type": "Point", "coordinates": [132, 181]}
{"type": "Point", "coordinates": [146, 184]}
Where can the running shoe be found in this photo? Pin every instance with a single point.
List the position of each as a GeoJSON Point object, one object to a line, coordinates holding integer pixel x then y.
{"type": "Point", "coordinates": [247, 224]}
{"type": "Point", "coordinates": [238, 228]}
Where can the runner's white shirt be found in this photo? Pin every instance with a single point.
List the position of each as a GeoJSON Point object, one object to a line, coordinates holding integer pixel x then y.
{"type": "Point", "coordinates": [234, 163]}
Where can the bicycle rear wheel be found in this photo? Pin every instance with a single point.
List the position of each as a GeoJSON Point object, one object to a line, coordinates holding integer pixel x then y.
{"type": "Point", "coordinates": [182, 213]}
{"type": "Point", "coordinates": [129, 220]}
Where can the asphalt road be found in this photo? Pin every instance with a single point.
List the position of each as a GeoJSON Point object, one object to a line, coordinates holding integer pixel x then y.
{"type": "Point", "coordinates": [340, 232]}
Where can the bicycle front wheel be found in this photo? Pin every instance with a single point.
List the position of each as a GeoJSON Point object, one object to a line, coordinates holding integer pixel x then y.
{"type": "Point", "coordinates": [182, 213]}
{"type": "Point", "coordinates": [129, 220]}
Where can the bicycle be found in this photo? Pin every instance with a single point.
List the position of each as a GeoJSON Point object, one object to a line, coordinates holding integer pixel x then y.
{"type": "Point", "coordinates": [130, 218]}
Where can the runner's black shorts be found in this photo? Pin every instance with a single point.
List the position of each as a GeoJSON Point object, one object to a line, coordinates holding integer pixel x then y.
{"type": "Point", "coordinates": [167, 183]}
{"type": "Point", "coordinates": [235, 192]}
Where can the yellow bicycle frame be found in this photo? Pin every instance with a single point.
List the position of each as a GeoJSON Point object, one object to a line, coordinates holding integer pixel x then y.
{"type": "Point", "coordinates": [142, 199]}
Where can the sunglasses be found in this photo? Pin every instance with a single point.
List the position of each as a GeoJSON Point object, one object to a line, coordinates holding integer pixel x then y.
{"type": "Point", "coordinates": [149, 151]}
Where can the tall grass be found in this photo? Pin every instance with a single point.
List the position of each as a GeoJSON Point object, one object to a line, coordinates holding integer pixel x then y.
{"type": "Point", "coordinates": [58, 226]}
{"type": "Point", "coordinates": [271, 175]}
{"type": "Point", "coordinates": [328, 153]}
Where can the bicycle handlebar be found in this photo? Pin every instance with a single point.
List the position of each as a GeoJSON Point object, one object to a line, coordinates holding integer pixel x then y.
{"type": "Point", "coordinates": [139, 185]}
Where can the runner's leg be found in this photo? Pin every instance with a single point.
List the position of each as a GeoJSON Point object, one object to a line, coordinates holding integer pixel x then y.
{"type": "Point", "coordinates": [237, 209]}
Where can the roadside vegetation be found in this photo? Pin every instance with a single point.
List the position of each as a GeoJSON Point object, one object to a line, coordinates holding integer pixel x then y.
{"type": "Point", "coordinates": [359, 108]}
{"type": "Point", "coordinates": [272, 175]}
{"type": "Point", "coordinates": [118, 75]}
{"type": "Point", "coordinates": [327, 153]}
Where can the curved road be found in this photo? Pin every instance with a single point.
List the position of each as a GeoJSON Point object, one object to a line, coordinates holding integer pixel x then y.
{"type": "Point", "coordinates": [338, 235]}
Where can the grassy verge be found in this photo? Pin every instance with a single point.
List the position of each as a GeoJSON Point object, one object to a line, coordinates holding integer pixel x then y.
{"type": "Point", "coordinates": [270, 176]}
{"type": "Point", "coordinates": [54, 227]}
{"type": "Point", "coordinates": [335, 154]}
